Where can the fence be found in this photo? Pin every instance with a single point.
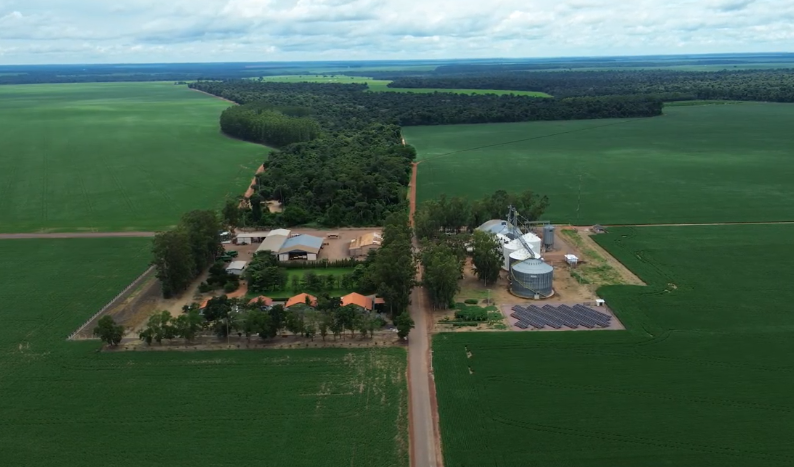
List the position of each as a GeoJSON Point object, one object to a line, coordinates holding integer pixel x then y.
{"type": "Point", "coordinates": [115, 300]}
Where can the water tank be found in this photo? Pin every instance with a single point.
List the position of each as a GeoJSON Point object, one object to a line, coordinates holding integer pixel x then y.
{"type": "Point", "coordinates": [548, 236]}
{"type": "Point", "coordinates": [531, 277]}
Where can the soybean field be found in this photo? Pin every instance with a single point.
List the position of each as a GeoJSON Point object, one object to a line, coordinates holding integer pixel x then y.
{"type": "Point", "coordinates": [297, 408]}
{"type": "Point", "coordinates": [694, 164]}
{"type": "Point", "coordinates": [701, 378]}
{"type": "Point", "coordinates": [114, 156]}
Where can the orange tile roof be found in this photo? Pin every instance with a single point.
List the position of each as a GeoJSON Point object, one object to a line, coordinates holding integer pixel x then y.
{"type": "Point", "coordinates": [357, 299]}
{"type": "Point", "coordinates": [301, 299]}
{"type": "Point", "coordinates": [380, 301]}
{"type": "Point", "coordinates": [266, 300]}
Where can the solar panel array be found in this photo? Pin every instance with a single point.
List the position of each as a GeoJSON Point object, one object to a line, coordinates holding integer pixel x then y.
{"type": "Point", "coordinates": [558, 317]}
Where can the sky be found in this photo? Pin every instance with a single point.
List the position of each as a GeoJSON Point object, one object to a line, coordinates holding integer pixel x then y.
{"type": "Point", "coordinates": [150, 31]}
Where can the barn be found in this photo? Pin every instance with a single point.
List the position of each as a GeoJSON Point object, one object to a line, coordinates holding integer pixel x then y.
{"type": "Point", "coordinates": [246, 238]}
{"type": "Point", "coordinates": [274, 241]}
{"type": "Point", "coordinates": [304, 247]}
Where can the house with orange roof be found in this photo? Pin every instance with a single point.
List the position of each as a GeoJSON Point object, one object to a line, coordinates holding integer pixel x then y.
{"type": "Point", "coordinates": [359, 300]}
{"type": "Point", "coordinates": [301, 299]}
{"type": "Point", "coordinates": [267, 301]}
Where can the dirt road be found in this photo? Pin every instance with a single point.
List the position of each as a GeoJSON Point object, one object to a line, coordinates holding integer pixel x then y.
{"type": "Point", "coordinates": [11, 236]}
{"type": "Point", "coordinates": [425, 448]}
{"type": "Point", "coordinates": [412, 192]}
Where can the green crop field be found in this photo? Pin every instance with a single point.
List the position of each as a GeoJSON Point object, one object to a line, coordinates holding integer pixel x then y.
{"type": "Point", "coordinates": [63, 403]}
{"type": "Point", "coordinates": [114, 156]}
{"type": "Point", "coordinates": [702, 378]}
{"type": "Point", "coordinates": [379, 85]}
{"type": "Point", "coordinates": [710, 163]}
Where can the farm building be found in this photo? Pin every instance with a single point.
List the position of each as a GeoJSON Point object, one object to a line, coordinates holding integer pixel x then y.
{"type": "Point", "coordinates": [266, 301]}
{"type": "Point", "coordinates": [301, 299]}
{"type": "Point", "coordinates": [362, 245]}
{"type": "Point", "coordinates": [359, 300]}
{"type": "Point", "coordinates": [300, 247]}
{"type": "Point", "coordinates": [274, 240]}
{"type": "Point", "coordinates": [246, 238]}
{"type": "Point", "coordinates": [513, 246]}
{"type": "Point", "coordinates": [236, 267]}
{"type": "Point", "coordinates": [500, 227]}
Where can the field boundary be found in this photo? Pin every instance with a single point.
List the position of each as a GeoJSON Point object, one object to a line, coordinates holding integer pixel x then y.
{"type": "Point", "coordinates": [21, 236]}
{"type": "Point", "coordinates": [700, 224]}
{"type": "Point", "coordinates": [115, 300]}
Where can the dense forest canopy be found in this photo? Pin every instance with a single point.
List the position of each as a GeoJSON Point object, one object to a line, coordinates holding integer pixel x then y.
{"type": "Point", "coordinates": [341, 159]}
{"type": "Point", "coordinates": [343, 106]}
{"type": "Point", "coordinates": [752, 85]}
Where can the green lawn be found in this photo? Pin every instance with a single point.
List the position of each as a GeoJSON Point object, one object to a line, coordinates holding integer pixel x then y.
{"type": "Point", "coordinates": [288, 292]}
{"type": "Point", "coordinates": [702, 378]}
{"type": "Point", "coordinates": [114, 156]}
{"type": "Point", "coordinates": [710, 163]}
{"type": "Point", "coordinates": [380, 85]}
{"type": "Point", "coordinates": [63, 403]}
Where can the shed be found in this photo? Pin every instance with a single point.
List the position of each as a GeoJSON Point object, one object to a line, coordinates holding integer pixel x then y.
{"type": "Point", "coordinates": [301, 299]}
{"type": "Point", "coordinates": [246, 238]}
{"type": "Point", "coordinates": [362, 245]}
{"type": "Point", "coordinates": [357, 299]}
{"type": "Point", "coordinates": [274, 240]}
{"type": "Point", "coordinates": [300, 247]}
{"type": "Point", "coordinates": [236, 267]}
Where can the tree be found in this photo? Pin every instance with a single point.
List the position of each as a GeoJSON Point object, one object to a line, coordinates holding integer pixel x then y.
{"type": "Point", "coordinates": [173, 261]}
{"type": "Point", "coordinates": [108, 331]}
{"type": "Point", "coordinates": [404, 324]}
{"type": "Point", "coordinates": [158, 327]}
{"type": "Point", "coordinates": [443, 270]}
{"type": "Point", "coordinates": [255, 321]}
{"type": "Point", "coordinates": [324, 324]}
{"type": "Point", "coordinates": [487, 256]}
{"type": "Point", "coordinates": [203, 230]}
{"type": "Point", "coordinates": [231, 214]}
{"type": "Point", "coordinates": [189, 324]}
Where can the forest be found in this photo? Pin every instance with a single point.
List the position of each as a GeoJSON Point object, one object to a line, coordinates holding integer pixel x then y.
{"type": "Point", "coordinates": [341, 160]}
{"type": "Point", "coordinates": [667, 85]}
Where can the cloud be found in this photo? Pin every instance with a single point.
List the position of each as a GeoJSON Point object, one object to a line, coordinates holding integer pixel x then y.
{"type": "Point", "coordinates": [81, 31]}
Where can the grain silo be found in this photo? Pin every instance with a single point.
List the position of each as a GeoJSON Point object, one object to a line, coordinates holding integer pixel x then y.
{"type": "Point", "coordinates": [529, 239]}
{"type": "Point", "coordinates": [548, 237]}
{"type": "Point", "coordinates": [531, 278]}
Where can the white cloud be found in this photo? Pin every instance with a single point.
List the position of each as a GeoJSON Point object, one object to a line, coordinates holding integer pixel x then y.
{"type": "Point", "coordinates": [80, 31]}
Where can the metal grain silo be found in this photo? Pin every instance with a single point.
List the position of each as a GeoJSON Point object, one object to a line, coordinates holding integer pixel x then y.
{"type": "Point", "coordinates": [531, 278]}
{"type": "Point", "coordinates": [548, 236]}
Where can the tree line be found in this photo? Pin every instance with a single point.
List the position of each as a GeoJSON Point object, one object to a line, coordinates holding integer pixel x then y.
{"type": "Point", "coordinates": [267, 126]}
{"type": "Point", "coordinates": [433, 218]}
{"type": "Point", "coordinates": [668, 85]}
{"type": "Point", "coordinates": [181, 254]}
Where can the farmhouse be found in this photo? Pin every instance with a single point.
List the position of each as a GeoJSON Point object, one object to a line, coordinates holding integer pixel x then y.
{"type": "Point", "coordinates": [274, 240]}
{"type": "Point", "coordinates": [266, 301]}
{"type": "Point", "coordinates": [301, 299]}
{"type": "Point", "coordinates": [236, 267]}
{"type": "Point", "coordinates": [300, 247]}
{"type": "Point", "coordinates": [362, 245]}
{"type": "Point", "coordinates": [358, 300]}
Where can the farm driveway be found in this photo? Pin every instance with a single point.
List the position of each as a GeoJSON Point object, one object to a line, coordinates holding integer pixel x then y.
{"type": "Point", "coordinates": [425, 444]}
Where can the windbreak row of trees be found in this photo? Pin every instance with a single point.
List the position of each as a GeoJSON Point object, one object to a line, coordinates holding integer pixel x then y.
{"type": "Point", "coordinates": [433, 218]}
{"type": "Point", "coordinates": [184, 252]}
{"type": "Point", "coordinates": [267, 126]}
{"type": "Point", "coordinates": [668, 85]}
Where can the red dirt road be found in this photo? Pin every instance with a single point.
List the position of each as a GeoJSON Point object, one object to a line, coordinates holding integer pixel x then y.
{"type": "Point", "coordinates": [412, 191]}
